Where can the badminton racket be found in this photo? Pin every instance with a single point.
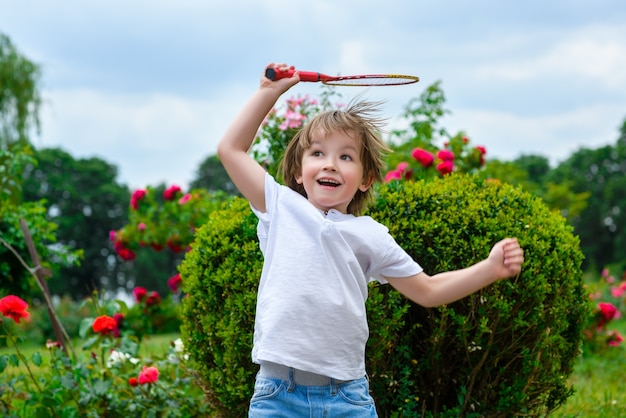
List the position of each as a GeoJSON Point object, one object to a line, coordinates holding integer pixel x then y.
{"type": "Point", "coordinates": [347, 80]}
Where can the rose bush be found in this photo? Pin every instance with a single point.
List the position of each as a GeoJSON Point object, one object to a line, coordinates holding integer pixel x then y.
{"type": "Point", "coordinates": [110, 379]}
{"type": "Point", "coordinates": [608, 297]}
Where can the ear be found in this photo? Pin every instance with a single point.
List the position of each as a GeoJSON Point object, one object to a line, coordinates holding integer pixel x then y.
{"type": "Point", "coordinates": [367, 183]}
{"type": "Point", "coordinates": [298, 178]}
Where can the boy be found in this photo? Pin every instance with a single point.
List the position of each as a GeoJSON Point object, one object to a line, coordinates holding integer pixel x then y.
{"type": "Point", "coordinates": [319, 255]}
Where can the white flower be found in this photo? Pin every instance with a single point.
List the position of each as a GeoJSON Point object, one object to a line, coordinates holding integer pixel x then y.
{"type": "Point", "coordinates": [178, 345]}
{"type": "Point", "coordinates": [117, 357]}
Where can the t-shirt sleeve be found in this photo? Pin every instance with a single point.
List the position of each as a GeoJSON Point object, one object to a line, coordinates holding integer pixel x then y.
{"type": "Point", "coordinates": [393, 261]}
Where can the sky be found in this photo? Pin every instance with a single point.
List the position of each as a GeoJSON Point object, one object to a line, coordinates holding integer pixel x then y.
{"type": "Point", "coordinates": [151, 86]}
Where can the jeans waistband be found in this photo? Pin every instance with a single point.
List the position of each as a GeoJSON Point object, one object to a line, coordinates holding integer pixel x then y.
{"type": "Point", "coordinates": [296, 376]}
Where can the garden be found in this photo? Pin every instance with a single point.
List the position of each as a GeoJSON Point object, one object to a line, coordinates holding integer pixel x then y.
{"type": "Point", "coordinates": [547, 342]}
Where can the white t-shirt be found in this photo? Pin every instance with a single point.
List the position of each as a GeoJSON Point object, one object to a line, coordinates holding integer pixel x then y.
{"type": "Point", "coordinates": [311, 298]}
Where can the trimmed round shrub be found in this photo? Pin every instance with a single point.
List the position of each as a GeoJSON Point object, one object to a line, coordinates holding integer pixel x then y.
{"type": "Point", "coordinates": [506, 350]}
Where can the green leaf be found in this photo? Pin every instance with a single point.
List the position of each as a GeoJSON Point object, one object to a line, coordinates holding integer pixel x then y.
{"type": "Point", "coordinates": [4, 361]}
{"type": "Point", "coordinates": [84, 327]}
{"type": "Point", "coordinates": [90, 342]}
{"type": "Point", "coordinates": [36, 358]}
{"type": "Point", "coordinates": [14, 360]}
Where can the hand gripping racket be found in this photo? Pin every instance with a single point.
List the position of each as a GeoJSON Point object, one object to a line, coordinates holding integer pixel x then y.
{"type": "Point", "coordinates": [348, 80]}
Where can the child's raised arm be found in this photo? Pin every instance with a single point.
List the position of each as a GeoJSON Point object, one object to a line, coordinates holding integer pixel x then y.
{"type": "Point", "coordinates": [244, 171]}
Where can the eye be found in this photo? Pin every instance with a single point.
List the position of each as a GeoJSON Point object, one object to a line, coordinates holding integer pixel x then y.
{"type": "Point", "coordinates": [346, 157]}
{"type": "Point", "coordinates": [316, 153]}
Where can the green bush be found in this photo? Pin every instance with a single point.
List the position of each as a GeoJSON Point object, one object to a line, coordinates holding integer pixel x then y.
{"type": "Point", "coordinates": [220, 276]}
{"type": "Point", "coordinates": [506, 350]}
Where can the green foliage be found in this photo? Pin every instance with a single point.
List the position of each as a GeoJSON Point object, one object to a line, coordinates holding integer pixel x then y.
{"type": "Point", "coordinates": [86, 202]}
{"type": "Point", "coordinates": [532, 173]}
{"type": "Point", "coordinates": [15, 278]}
{"type": "Point", "coordinates": [506, 350]}
{"type": "Point", "coordinates": [424, 135]}
{"type": "Point", "coordinates": [220, 275]}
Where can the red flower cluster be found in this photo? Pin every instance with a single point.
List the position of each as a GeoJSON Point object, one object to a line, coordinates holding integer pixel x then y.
{"type": "Point", "coordinates": [142, 296]}
{"type": "Point", "coordinates": [14, 307]}
{"type": "Point", "coordinates": [153, 298]}
{"type": "Point", "coordinates": [403, 171]}
{"type": "Point", "coordinates": [120, 248]}
{"type": "Point", "coordinates": [446, 166]}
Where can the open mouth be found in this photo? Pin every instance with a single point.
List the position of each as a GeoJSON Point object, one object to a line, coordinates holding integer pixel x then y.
{"type": "Point", "coordinates": [328, 183]}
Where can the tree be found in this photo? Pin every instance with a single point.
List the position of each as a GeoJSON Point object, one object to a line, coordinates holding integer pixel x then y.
{"type": "Point", "coordinates": [86, 202]}
{"type": "Point", "coordinates": [602, 173]}
{"type": "Point", "coordinates": [212, 176]}
{"type": "Point", "coordinates": [19, 106]}
{"type": "Point", "coordinates": [532, 173]}
{"type": "Point", "coordinates": [19, 111]}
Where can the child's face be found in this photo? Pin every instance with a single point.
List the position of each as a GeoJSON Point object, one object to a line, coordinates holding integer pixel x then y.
{"type": "Point", "coordinates": [332, 171]}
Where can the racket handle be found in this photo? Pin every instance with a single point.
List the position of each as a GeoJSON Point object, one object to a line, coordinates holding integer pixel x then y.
{"type": "Point", "coordinates": [274, 75]}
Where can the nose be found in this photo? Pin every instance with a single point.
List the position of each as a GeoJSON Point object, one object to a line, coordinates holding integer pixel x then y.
{"type": "Point", "coordinates": [329, 166]}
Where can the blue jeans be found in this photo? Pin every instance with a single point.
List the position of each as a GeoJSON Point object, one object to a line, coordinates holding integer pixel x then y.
{"type": "Point", "coordinates": [279, 398]}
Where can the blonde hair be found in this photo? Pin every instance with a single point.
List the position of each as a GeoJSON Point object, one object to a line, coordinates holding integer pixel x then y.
{"type": "Point", "coordinates": [360, 121]}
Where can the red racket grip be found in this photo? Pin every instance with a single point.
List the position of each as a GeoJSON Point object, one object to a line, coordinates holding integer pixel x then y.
{"type": "Point", "coordinates": [274, 75]}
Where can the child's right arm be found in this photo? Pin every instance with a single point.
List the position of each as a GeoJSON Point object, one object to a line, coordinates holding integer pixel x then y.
{"type": "Point", "coordinates": [248, 175]}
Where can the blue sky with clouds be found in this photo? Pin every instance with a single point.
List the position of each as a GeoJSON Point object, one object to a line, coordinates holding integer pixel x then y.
{"type": "Point", "coordinates": [150, 86]}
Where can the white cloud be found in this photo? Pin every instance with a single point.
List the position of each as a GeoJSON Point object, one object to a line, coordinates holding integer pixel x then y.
{"type": "Point", "coordinates": [595, 52]}
{"type": "Point", "coordinates": [555, 136]}
{"type": "Point", "coordinates": [152, 139]}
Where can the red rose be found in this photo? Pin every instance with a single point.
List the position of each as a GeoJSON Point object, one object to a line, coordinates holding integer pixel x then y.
{"type": "Point", "coordinates": [126, 254]}
{"type": "Point", "coordinates": [445, 155]}
{"type": "Point", "coordinates": [422, 156]}
{"type": "Point", "coordinates": [174, 282]}
{"type": "Point", "coordinates": [170, 192]}
{"type": "Point", "coordinates": [140, 293]}
{"type": "Point", "coordinates": [148, 375]}
{"type": "Point", "coordinates": [133, 381]}
{"type": "Point", "coordinates": [14, 307]}
{"type": "Point", "coordinates": [136, 197]}
{"type": "Point", "coordinates": [608, 311]}
{"type": "Point", "coordinates": [104, 325]}
{"type": "Point", "coordinates": [445, 167]}
{"type": "Point", "coordinates": [153, 299]}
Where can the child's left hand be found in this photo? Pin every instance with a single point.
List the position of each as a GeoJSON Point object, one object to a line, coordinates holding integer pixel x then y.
{"type": "Point", "coordinates": [507, 257]}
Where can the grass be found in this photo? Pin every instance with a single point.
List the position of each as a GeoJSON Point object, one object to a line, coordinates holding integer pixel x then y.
{"type": "Point", "coordinates": [598, 381]}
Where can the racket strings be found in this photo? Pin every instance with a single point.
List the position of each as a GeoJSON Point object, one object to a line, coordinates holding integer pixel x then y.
{"type": "Point", "coordinates": [373, 80]}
